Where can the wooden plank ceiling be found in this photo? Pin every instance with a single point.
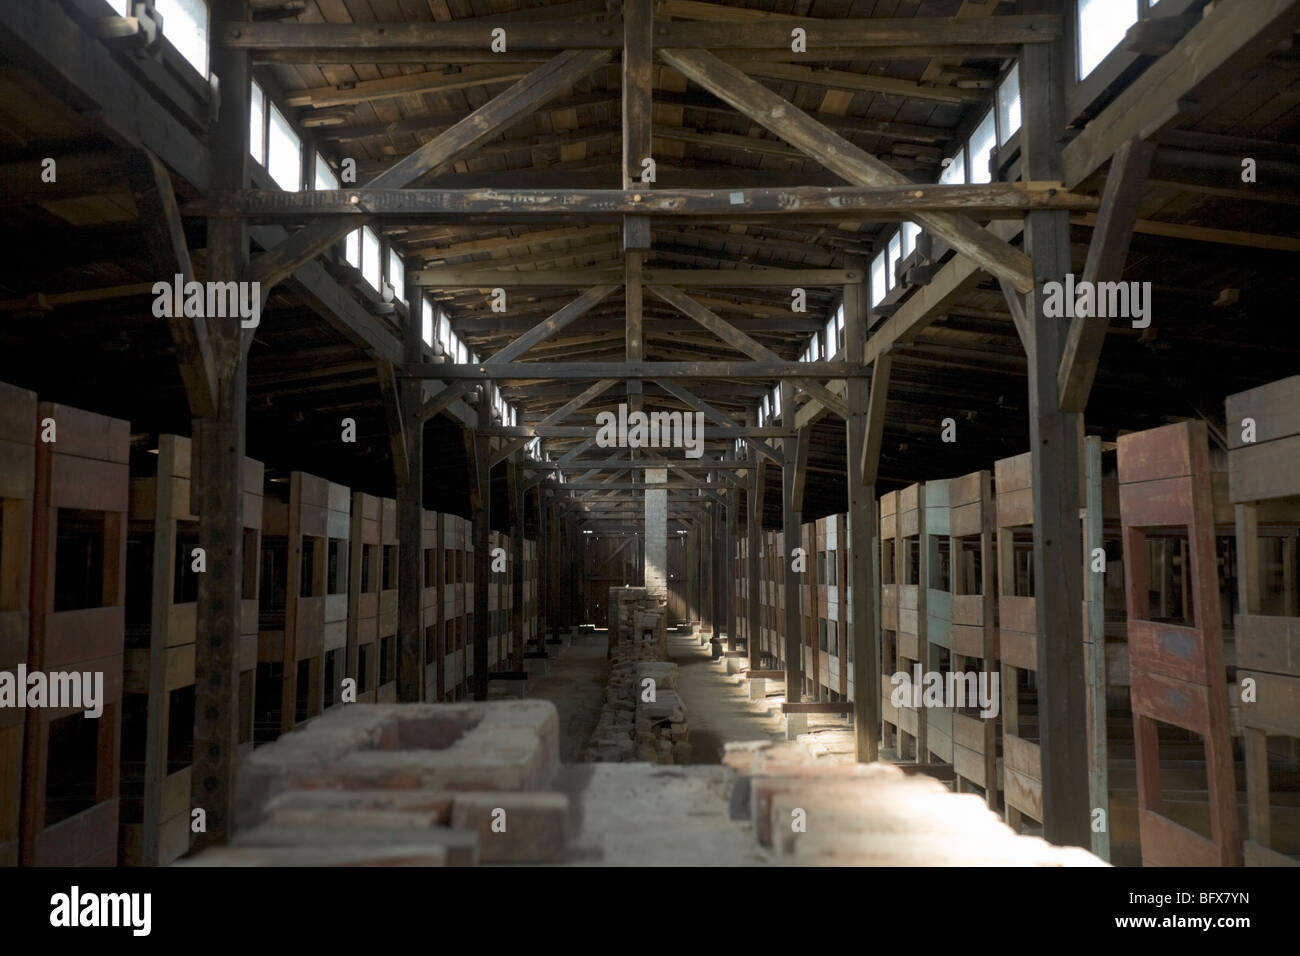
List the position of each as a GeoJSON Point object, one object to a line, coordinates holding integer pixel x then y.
{"type": "Point", "coordinates": [1223, 304]}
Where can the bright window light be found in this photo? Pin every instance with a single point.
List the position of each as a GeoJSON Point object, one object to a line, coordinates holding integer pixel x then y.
{"type": "Point", "coordinates": [370, 260]}
{"type": "Point", "coordinates": [1009, 105]}
{"type": "Point", "coordinates": [325, 178]}
{"type": "Point", "coordinates": [1102, 24]}
{"type": "Point", "coordinates": [910, 231]}
{"type": "Point", "coordinates": [257, 124]}
{"type": "Point", "coordinates": [352, 248]}
{"type": "Point", "coordinates": [283, 153]}
{"type": "Point", "coordinates": [397, 274]}
{"type": "Point", "coordinates": [426, 323]}
{"type": "Point", "coordinates": [444, 331]}
{"type": "Point", "coordinates": [878, 285]}
{"type": "Point", "coordinates": [982, 143]}
{"type": "Point", "coordinates": [895, 254]}
{"type": "Point", "coordinates": [185, 24]}
{"type": "Point", "coordinates": [776, 400]}
{"type": "Point", "coordinates": [831, 344]}
{"type": "Point", "coordinates": [955, 173]}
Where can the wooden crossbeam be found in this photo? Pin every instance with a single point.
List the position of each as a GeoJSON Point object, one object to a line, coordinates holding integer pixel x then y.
{"type": "Point", "coordinates": [151, 187]}
{"type": "Point", "coordinates": [1019, 315]}
{"type": "Point", "coordinates": [393, 87]}
{"type": "Point", "coordinates": [1186, 82]}
{"type": "Point", "coordinates": [716, 433]}
{"type": "Point", "coordinates": [802, 441]}
{"type": "Point", "coordinates": [572, 405]}
{"type": "Point", "coordinates": [542, 330]}
{"type": "Point", "coordinates": [1107, 251]}
{"type": "Point", "coordinates": [691, 464]}
{"type": "Point", "coordinates": [469, 277]}
{"type": "Point", "coordinates": [874, 436]}
{"type": "Point", "coordinates": [848, 81]}
{"type": "Point", "coordinates": [566, 371]}
{"type": "Point", "coordinates": [691, 400]}
{"type": "Point", "coordinates": [506, 450]}
{"type": "Point", "coordinates": [844, 159]}
{"type": "Point", "coordinates": [742, 342]}
{"type": "Point", "coordinates": [425, 42]}
{"type": "Point", "coordinates": [542, 84]}
{"type": "Point", "coordinates": [879, 201]}
{"type": "Point", "coordinates": [393, 417]}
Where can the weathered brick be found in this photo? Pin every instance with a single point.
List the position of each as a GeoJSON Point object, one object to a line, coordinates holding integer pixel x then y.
{"type": "Point", "coordinates": [536, 825]}
{"type": "Point", "coordinates": [312, 856]}
{"type": "Point", "coordinates": [461, 846]}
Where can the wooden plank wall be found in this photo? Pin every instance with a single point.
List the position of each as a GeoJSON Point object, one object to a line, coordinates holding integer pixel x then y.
{"type": "Point", "coordinates": [1177, 669]}
{"type": "Point", "coordinates": [973, 625]}
{"type": "Point", "coordinates": [889, 659]}
{"type": "Point", "coordinates": [1264, 487]}
{"type": "Point", "coordinates": [77, 625]}
{"type": "Point", "coordinates": [18, 429]}
{"type": "Point", "coordinates": [936, 550]}
{"type": "Point", "coordinates": [155, 817]}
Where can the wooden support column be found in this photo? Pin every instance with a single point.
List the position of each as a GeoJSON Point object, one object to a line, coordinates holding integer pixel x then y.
{"type": "Point", "coordinates": [729, 567]}
{"type": "Point", "coordinates": [547, 570]}
{"type": "Point", "coordinates": [753, 532]}
{"type": "Point", "coordinates": [577, 552]}
{"type": "Point", "coordinates": [410, 513]}
{"type": "Point", "coordinates": [514, 481]}
{"type": "Point", "coordinates": [716, 614]}
{"type": "Point", "coordinates": [638, 109]}
{"type": "Point", "coordinates": [861, 601]}
{"type": "Point", "coordinates": [481, 505]}
{"type": "Point", "coordinates": [1054, 440]}
{"type": "Point", "coordinates": [1098, 770]}
{"type": "Point", "coordinates": [219, 476]}
{"type": "Point", "coordinates": [790, 523]}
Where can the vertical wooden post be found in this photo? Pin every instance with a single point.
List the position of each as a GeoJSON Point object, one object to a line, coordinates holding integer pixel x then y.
{"type": "Point", "coordinates": [577, 562]}
{"type": "Point", "coordinates": [729, 568]}
{"type": "Point", "coordinates": [1054, 440]}
{"type": "Point", "coordinates": [719, 565]}
{"type": "Point", "coordinates": [861, 532]}
{"type": "Point", "coordinates": [753, 529]}
{"type": "Point", "coordinates": [481, 504]}
{"type": "Point", "coordinates": [219, 476]}
{"type": "Point", "coordinates": [688, 571]}
{"type": "Point", "coordinates": [638, 110]}
{"type": "Point", "coordinates": [546, 567]}
{"type": "Point", "coordinates": [791, 524]}
{"type": "Point", "coordinates": [410, 511]}
{"type": "Point", "coordinates": [1098, 773]}
{"type": "Point", "coordinates": [514, 480]}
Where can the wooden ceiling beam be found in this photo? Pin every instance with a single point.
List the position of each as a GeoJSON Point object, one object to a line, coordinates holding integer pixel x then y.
{"type": "Point", "coordinates": [881, 194]}
{"type": "Point", "coordinates": [519, 100]}
{"type": "Point", "coordinates": [843, 158]}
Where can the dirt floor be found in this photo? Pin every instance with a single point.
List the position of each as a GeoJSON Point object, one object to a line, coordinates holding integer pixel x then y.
{"type": "Point", "coordinates": [718, 709]}
{"type": "Point", "coordinates": [644, 814]}
{"type": "Point", "coordinates": [575, 683]}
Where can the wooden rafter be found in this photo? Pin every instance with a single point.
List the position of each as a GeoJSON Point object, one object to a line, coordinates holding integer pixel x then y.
{"type": "Point", "coordinates": [519, 100]}
{"type": "Point", "coordinates": [844, 159]}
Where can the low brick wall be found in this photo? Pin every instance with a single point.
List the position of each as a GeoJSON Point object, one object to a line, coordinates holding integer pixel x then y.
{"type": "Point", "coordinates": [632, 728]}
{"type": "Point", "coordinates": [635, 613]}
{"type": "Point", "coordinates": [403, 784]}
